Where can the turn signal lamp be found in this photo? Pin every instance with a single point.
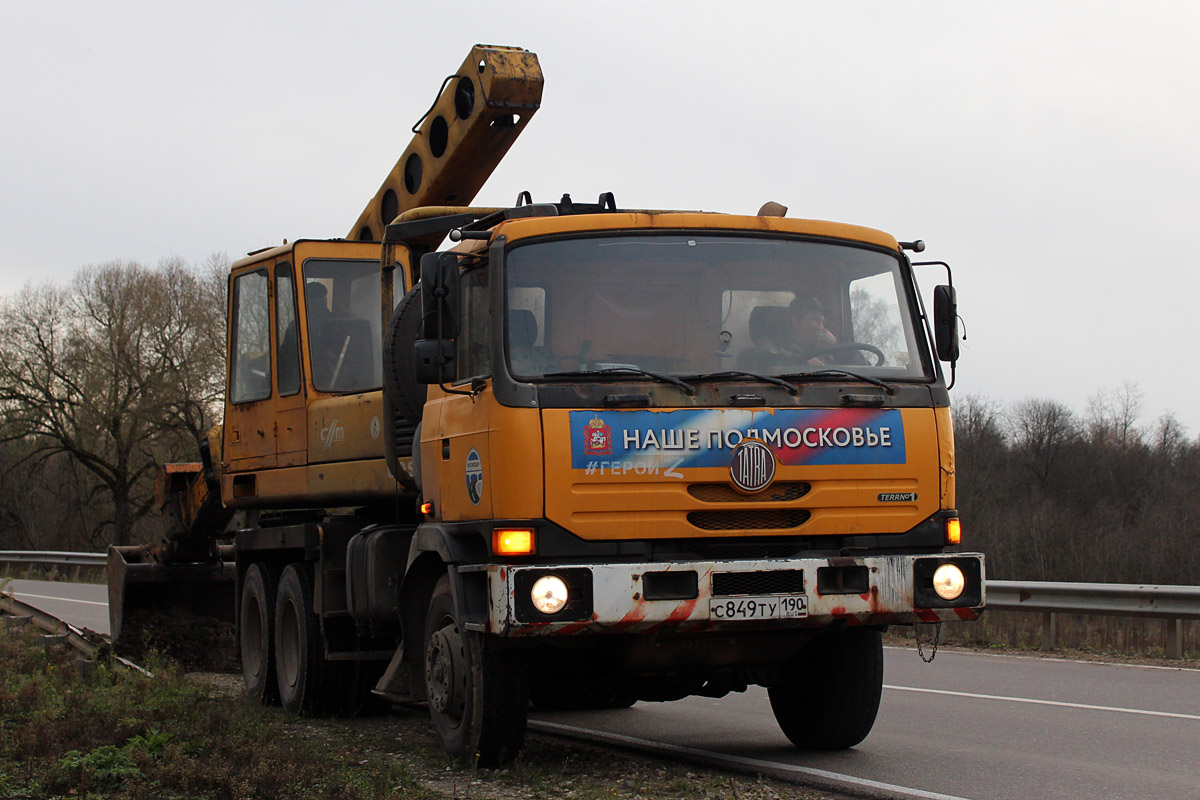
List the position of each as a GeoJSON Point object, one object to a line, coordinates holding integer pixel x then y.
{"type": "Point", "coordinates": [953, 531]}
{"type": "Point", "coordinates": [427, 508]}
{"type": "Point", "coordinates": [512, 541]}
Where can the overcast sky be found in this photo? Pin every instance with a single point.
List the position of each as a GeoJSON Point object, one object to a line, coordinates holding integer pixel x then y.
{"type": "Point", "coordinates": [1048, 151]}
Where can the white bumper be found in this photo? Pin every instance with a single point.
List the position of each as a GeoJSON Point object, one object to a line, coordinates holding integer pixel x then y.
{"type": "Point", "coordinates": [618, 592]}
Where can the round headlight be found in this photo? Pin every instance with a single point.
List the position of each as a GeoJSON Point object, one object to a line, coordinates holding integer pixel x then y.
{"type": "Point", "coordinates": [549, 594]}
{"type": "Point", "coordinates": [949, 581]}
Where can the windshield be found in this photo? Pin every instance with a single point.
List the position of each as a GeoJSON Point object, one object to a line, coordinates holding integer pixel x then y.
{"type": "Point", "coordinates": [685, 305]}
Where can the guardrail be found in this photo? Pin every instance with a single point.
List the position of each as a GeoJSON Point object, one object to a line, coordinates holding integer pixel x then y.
{"type": "Point", "coordinates": [1173, 604]}
{"type": "Point", "coordinates": [31, 559]}
{"type": "Point", "coordinates": [57, 631]}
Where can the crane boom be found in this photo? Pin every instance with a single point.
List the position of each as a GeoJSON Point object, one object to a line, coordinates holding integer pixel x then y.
{"type": "Point", "coordinates": [479, 113]}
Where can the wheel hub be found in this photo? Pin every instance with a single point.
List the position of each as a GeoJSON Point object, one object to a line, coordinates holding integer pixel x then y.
{"type": "Point", "coordinates": [445, 671]}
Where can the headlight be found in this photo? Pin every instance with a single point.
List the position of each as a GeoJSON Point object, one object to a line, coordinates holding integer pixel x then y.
{"type": "Point", "coordinates": [948, 581]}
{"type": "Point", "coordinates": [549, 594]}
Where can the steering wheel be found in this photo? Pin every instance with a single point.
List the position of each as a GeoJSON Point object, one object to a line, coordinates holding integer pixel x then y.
{"type": "Point", "coordinates": [849, 346]}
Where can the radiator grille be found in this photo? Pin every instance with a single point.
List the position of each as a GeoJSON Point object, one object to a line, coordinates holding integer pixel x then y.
{"type": "Point", "coordinates": [738, 519]}
{"type": "Point", "coordinates": [742, 550]}
{"type": "Point", "coordinates": [724, 493]}
{"type": "Point", "coordinates": [783, 581]}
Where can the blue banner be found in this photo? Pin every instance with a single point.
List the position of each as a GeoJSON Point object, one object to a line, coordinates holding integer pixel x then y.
{"type": "Point", "coordinates": [647, 442]}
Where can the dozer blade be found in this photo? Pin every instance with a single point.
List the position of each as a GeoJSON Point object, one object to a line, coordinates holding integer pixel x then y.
{"type": "Point", "coordinates": [145, 591]}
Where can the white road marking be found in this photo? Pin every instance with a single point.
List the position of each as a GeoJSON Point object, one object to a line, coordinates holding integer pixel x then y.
{"type": "Point", "coordinates": [711, 756]}
{"type": "Point", "coordinates": [1051, 659]}
{"type": "Point", "coordinates": [20, 595]}
{"type": "Point", "coordinates": [1033, 701]}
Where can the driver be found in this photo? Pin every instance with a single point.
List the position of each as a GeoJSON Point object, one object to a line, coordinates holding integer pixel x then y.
{"type": "Point", "coordinates": [807, 332]}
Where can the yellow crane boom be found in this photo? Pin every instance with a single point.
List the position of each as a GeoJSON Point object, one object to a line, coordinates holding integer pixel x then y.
{"type": "Point", "coordinates": [480, 111]}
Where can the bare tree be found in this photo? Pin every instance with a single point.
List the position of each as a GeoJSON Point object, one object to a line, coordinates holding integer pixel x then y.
{"type": "Point", "coordinates": [1041, 431]}
{"type": "Point", "coordinates": [118, 371]}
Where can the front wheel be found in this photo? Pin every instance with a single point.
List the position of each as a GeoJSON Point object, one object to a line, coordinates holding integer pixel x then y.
{"type": "Point", "coordinates": [478, 696]}
{"type": "Point", "coordinates": [830, 693]}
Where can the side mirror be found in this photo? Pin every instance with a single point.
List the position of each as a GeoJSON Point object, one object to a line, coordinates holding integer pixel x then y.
{"type": "Point", "coordinates": [434, 350]}
{"type": "Point", "coordinates": [439, 296]}
{"type": "Point", "coordinates": [945, 322]}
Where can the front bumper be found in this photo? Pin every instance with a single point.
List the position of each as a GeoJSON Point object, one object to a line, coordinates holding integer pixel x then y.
{"type": "Point", "coordinates": [696, 596]}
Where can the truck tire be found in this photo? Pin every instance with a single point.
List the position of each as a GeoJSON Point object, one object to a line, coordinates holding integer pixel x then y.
{"type": "Point", "coordinates": [256, 640]}
{"type": "Point", "coordinates": [830, 695]}
{"type": "Point", "coordinates": [478, 698]}
{"type": "Point", "coordinates": [399, 382]}
{"type": "Point", "coordinates": [299, 653]}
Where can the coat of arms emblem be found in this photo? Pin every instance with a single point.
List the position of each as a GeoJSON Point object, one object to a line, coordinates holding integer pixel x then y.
{"type": "Point", "coordinates": [597, 438]}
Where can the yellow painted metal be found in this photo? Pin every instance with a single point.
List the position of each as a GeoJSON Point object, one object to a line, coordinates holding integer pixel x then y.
{"type": "Point", "coordinates": [462, 429]}
{"type": "Point", "coordinates": [844, 498]}
{"type": "Point", "coordinates": [459, 142]}
{"type": "Point", "coordinates": [635, 221]}
{"type": "Point", "coordinates": [509, 444]}
{"type": "Point", "coordinates": [343, 483]}
{"type": "Point", "coordinates": [945, 428]}
{"type": "Point", "coordinates": [515, 442]}
{"type": "Point", "coordinates": [345, 428]}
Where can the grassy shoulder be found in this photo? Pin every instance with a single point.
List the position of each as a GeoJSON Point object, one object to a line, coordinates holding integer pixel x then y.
{"type": "Point", "coordinates": [68, 731]}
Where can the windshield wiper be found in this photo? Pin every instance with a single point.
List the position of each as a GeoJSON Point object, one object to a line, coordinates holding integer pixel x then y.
{"type": "Point", "coordinates": [839, 372]}
{"type": "Point", "coordinates": [594, 373]}
{"type": "Point", "coordinates": [737, 373]}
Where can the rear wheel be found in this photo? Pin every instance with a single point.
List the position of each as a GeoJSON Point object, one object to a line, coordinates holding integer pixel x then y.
{"type": "Point", "coordinates": [478, 697]}
{"type": "Point", "coordinates": [300, 656]}
{"type": "Point", "coordinates": [257, 637]}
{"type": "Point", "coordinates": [830, 695]}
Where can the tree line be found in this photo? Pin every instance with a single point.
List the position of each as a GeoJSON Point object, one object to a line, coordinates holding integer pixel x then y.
{"type": "Point", "coordinates": [1051, 494]}
{"type": "Point", "coordinates": [121, 370]}
{"type": "Point", "coordinates": [102, 380]}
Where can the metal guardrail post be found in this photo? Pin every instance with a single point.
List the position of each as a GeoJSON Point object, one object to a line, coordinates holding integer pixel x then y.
{"type": "Point", "coordinates": [1173, 648]}
{"type": "Point", "coordinates": [1049, 631]}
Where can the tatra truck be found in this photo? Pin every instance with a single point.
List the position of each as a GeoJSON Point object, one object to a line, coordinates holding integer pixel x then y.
{"type": "Point", "coordinates": [567, 454]}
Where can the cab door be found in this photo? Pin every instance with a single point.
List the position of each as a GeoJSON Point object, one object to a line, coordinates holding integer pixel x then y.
{"type": "Point", "coordinates": [249, 414]}
{"type": "Point", "coordinates": [265, 407]}
{"type": "Point", "coordinates": [456, 436]}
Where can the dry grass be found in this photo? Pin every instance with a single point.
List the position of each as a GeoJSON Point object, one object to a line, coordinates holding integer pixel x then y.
{"type": "Point", "coordinates": [107, 733]}
{"type": "Point", "coordinates": [104, 732]}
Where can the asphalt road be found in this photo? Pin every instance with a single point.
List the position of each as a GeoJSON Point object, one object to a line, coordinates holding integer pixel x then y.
{"type": "Point", "coordinates": [968, 725]}
{"type": "Point", "coordinates": [977, 726]}
{"type": "Point", "coordinates": [84, 605]}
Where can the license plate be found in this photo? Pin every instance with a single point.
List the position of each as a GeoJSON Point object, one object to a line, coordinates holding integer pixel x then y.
{"type": "Point", "coordinates": [769, 607]}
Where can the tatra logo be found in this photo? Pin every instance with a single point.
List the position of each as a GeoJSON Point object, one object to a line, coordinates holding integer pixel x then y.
{"type": "Point", "coordinates": [597, 438]}
{"type": "Point", "coordinates": [753, 466]}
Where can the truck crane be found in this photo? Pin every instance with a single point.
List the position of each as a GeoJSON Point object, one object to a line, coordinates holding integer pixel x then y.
{"type": "Point", "coordinates": [583, 456]}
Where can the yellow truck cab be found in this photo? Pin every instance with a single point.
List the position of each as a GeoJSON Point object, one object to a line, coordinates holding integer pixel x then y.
{"type": "Point", "coordinates": [641, 488]}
